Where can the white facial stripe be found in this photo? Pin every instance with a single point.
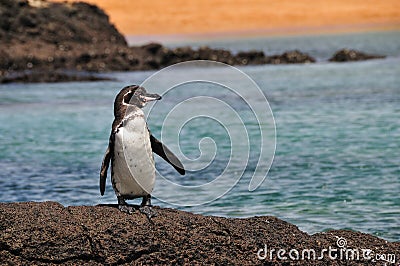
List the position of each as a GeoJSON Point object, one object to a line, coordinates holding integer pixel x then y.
{"type": "Point", "coordinates": [123, 98]}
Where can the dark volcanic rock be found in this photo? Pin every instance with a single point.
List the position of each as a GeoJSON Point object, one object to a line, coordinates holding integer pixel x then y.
{"type": "Point", "coordinates": [176, 55]}
{"type": "Point", "coordinates": [42, 36]}
{"type": "Point", "coordinates": [291, 57]}
{"type": "Point", "coordinates": [253, 57]}
{"type": "Point", "coordinates": [346, 55]}
{"type": "Point", "coordinates": [220, 55]}
{"type": "Point", "coordinates": [48, 233]}
{"type": "Point", "coordinates": [23, 21]}
{"type": "Point", "coordinates": [152, 48]}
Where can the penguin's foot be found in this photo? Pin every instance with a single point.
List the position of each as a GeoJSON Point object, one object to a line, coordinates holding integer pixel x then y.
{"type": "Point", "coordinates": [127, 209]}
{"type": "Point", "coordinates": [148, 211]}
{"type": "Point", "coordinates": [124, 207]}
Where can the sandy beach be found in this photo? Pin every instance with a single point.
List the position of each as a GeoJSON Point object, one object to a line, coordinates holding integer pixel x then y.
{"type": "Point", "coordinates": [254, 17]}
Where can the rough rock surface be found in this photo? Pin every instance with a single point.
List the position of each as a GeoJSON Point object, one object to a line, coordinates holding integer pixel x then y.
{"type": "Point", "coordinates": [39, 21]}
{"type": "Point", "coordinates": [41, 37]}
{"type": "Point", "coordinates": [291, 57]}
{"type": "Point", "coordinates": [49, 233]}
{"type": "Point", "coordinates": [346, 55]}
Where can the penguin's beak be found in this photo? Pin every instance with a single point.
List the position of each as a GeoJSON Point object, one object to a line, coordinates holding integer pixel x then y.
{"type": "Point", "coordinates": [151, 97]}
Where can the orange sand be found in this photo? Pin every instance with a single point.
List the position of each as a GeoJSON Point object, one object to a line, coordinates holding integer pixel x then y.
{"type": "Point", "coordinates": [158, 17]}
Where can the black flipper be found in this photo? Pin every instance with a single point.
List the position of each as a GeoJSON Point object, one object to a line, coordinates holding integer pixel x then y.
{"type": "Point", "coordinates": [104, 167]}
{"type": "Point", "coordinates": [162, 151]}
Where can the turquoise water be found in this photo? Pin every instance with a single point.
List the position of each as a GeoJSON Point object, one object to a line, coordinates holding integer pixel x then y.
{"type": "Point", "coordinates": [337, 161]}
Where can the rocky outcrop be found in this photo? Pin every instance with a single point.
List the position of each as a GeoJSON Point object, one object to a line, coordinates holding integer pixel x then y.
{"type": "Point", "coordinates": [38, 37]}
{"type": "Point", "coordinates": [61, 24]}
{"type": "Point", "coordinates": [346, 55]}
{"type": "Point", "coordinates": [157, 56]}
{"type": "Point", "coordinates": [291, 57]}
{"type": "Point", "coordinates": [49, 233]}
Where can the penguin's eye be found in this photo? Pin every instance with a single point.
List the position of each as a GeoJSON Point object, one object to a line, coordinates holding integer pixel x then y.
{"type": "Point", "coordinates": [138, 93]}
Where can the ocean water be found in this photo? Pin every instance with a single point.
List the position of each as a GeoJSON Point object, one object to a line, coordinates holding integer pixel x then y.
{"type": "Point", "coordinates": [337, 159]}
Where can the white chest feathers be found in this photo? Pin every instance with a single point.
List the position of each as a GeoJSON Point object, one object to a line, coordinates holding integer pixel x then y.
{"type": "Point", "coordinates": [133, 173]}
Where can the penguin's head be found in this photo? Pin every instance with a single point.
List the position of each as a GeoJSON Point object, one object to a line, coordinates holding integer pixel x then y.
{"type": "Point", "coordinates": [134, 96]}
{"type": "Point", "coordinates": [140, 97]}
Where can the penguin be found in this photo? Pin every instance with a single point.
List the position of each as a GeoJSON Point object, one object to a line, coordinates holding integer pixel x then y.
{"type": "Point", "coordinates": [130, 151]}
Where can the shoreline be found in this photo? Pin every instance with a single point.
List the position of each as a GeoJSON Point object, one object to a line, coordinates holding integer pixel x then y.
{"type": "Point", "coordinates": [47, 232]}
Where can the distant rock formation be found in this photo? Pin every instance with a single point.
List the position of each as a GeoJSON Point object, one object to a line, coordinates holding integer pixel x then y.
{"type": "Point", "coordinates": [158, 56]}
{"type": "Point", "coordinates": [41, 37]}
{"type": "Point", "coordinates": [49, 233]}
{"type": "Point", "coordinates": [60, 24]}
{"type": "Point", "coordinates": [346, 55]}
{"type": "Point", "coordinates": [291, 57]}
